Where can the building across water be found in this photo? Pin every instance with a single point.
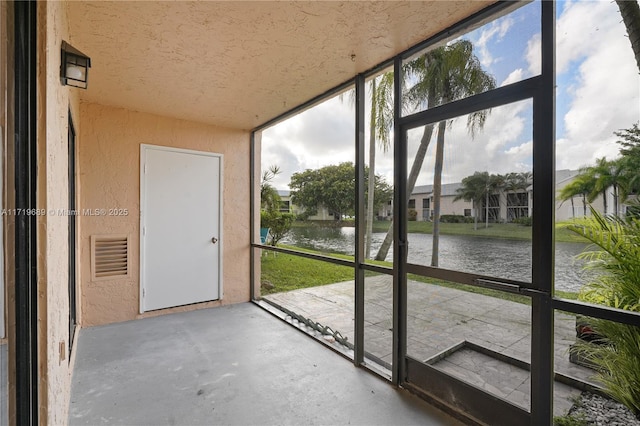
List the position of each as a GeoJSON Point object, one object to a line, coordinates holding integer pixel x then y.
{"type": "Point", "coordinates": [505, 206]}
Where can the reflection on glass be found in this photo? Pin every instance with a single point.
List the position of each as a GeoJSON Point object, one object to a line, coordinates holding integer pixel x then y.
{"type": "Point", "coordinates": [471, 199]}
{"type": "Point", "coordinates": [503, 51]}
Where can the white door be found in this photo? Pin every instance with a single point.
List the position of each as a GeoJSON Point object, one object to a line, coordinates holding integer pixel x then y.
{"type": "Point", "coordinates": [180, 224]}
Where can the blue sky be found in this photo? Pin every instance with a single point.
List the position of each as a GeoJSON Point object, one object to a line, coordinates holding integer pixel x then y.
{"type": "Point", "coordinates": [598, 92]}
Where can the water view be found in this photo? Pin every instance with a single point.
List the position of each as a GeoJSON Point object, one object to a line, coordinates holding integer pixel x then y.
{"type": "Point", "coordinates": [502, 258]}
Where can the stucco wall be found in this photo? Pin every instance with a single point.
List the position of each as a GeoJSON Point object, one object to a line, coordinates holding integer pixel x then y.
{"type": "Point", "coordinates": [55, 368]}
{"type": "Point", "coordinates": [109, 169]}
{"type": "Point", "coordinates": [447, 206]}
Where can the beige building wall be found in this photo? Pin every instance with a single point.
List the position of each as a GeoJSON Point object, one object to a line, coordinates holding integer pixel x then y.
{"type": "Point", "coordinates": [52, 233]}
{"type": "Point", "coordinates": [447, 206]}
{"type": "Point", "coordinates": [564, 210]}
{"type": "Point", "coordinates": [109, 169]}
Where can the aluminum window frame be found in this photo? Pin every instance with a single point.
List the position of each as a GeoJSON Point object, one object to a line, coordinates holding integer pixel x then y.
{"type": "Point", "coordinates": [540, 89]}
{"type": "Point", "coordinates": [25, 345]}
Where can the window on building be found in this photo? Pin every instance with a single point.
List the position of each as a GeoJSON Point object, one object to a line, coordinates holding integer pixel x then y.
{"type": "Point", "coordinates": [285, 206]}
{"type": "Point", "coordinates": [517, 206]}
{"type": "Point", "coordinates": [426, 205]}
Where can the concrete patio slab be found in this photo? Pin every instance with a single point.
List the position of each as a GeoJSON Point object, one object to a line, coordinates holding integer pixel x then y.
{"type": "Point", "coordinates": [439, 318]}
{"type": "Point", "coordinates": [234, 365]}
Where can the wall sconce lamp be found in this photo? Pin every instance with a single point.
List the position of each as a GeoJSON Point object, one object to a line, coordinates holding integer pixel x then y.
{"type": "Point", "coordinates": [74, 68]}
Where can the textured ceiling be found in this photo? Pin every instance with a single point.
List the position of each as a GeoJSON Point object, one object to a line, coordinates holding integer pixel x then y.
{"type": "Point", "coordinates": [239, 64]}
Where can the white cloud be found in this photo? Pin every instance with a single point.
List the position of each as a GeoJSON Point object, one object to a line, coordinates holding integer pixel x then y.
{"type": "Point", "coordinates": [519, 158]}
{"type": "Point", "coordinates": [515, 76]}
{"type": "Point", "coordinates": [605, 90]}
{"type": "Point", "coordinates": [598, 93]}
{"type": "Point", "coordinates": [496, 30]}
{"type": "Point", "coordinates": [581, 24]}
{"type": "Point", "coordinates": [315, 138]}
{"type": "Point", "coordinates": [495, 148]}
{"type": "Point", "coordinates": [534, 55]}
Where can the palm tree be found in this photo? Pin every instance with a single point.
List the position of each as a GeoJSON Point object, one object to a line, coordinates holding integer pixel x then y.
{"type": "Point", "coordinates": [630, 151]}
{"type": "Point", "coordinates": [269, 198]}
{"type": "Point", "coordinates": [605, 175]}
{"type": "Point", "coordinates": [494, 184]}
{"type": "Point", "coordinates": [443, 75]}
{"type": "Point", "coordinates": [381, 121]}
{"type": "Point", "coordinates": [474, 189]}
{"type": "Point", "coordinates": [515, 183]}
{"type": "Point", "coordinates": [630, 12]}
{"type": "Point", "coordinates": [617, 259]}
{"type": "Point", "coordinates": [581, 185]}
{"type": "Point", "coordinates": [379, 126]}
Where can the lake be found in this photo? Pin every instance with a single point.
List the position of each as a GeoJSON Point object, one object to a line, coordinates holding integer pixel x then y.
{"type": "Point", "coordinates": [500, 258]}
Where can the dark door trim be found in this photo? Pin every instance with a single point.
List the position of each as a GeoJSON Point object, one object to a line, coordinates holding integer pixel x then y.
{"type": "Point", "coordinates": [72, 231]}
{"type": "Point", "coordinates": [26, 280]}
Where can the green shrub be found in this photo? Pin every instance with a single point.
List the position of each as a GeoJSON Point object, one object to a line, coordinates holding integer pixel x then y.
{"type": "Point", "coordinates": [455, 218]}
{"type": "Point", "coordinates": [278, 223]}
{"type": "Point", "coordinates": [570, 420]}
{"type": "Point", "coordinates": [413, 215]}
{"type": "Point", "coordinates": [525, 220]}
{"type": "Point", "coordinates": [616, 351]}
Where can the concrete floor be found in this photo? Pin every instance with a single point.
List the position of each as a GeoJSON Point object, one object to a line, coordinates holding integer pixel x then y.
{"type": "Point", "coordinates": [230, 365]}
{"type": "Point", "coordinates": [439, 318]}
{"type": "Point", "coordinates": [4, 383]}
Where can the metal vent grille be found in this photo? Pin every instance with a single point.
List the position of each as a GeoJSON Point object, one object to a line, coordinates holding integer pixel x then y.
{"type": "Point", "coordinates": [109, 256]}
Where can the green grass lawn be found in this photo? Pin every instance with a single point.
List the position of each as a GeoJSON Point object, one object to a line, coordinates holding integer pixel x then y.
{"type": "Point", "coordinates": [495, 230]}
{"type": "Point", "coordinates": [288, 272]}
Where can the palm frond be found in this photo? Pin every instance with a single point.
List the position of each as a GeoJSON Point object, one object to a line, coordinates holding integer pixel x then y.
{"type": "Point", "coordinates": [615, 254]}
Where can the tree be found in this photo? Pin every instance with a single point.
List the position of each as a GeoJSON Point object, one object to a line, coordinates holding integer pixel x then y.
{"type": "Point", "coordinates": [270, 216]}
{"type": "Point", "coordinates": [278, 223]}
{"type": "Point", "coordinates": [581, 185]}
{"type": "Point", "coordinates": [630, 160]}
{"type": "Point", "coordinates": [515, 183]}
{"type": "Point", "coordinates": [606, 174]}
{"type": "Point", "coordinates": [379, 126]}
{"type": "Point", "coordinates": [269, 198]}
{"type": "Point", "coordinates": [381, 121]}
{"type": "Point", "coordinates": [616, 349]}
{"type": "Point", "coordinates": [621, 175]}
{"type": "Point", "coordinates": [333, 187]}
{"type": "Point", "coordinates": [474, 189]}
{"type": "Point", "coordinates": [630, 11]}
{"type": "Point", "coordinates": [443, 75]}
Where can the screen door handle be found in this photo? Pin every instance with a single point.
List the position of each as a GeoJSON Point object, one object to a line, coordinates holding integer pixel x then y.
{"type": "Point", "coordinates": [214, 240]}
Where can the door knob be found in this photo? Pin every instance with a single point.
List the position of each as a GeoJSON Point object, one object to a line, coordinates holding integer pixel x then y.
{"type": "Point", "coordinates": [214, 240]}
